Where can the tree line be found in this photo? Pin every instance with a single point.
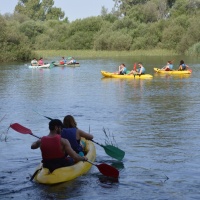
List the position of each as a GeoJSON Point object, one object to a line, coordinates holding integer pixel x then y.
{"type": "Point", "coordinates": [131, 25]}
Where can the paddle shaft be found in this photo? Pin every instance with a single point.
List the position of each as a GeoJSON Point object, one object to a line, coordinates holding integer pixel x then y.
{"type": "Point", "coordinates": [35, 135]}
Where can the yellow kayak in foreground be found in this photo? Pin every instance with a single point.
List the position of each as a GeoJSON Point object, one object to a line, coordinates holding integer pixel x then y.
{"type": "Point", "coordinates": [172, 72]}
{"type": "Point", "coordinates": [112, 75]}
{"type": "Point", "coordinates": [64, 174]}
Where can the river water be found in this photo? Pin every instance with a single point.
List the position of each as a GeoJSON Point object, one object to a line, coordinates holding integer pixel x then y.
{"type": "Point", "coordinates": [156, 122]}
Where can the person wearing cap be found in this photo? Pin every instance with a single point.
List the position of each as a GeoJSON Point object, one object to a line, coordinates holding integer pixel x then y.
{"type": "Point", "coordinates": [54, 149]}
{"type": "Point", "coordinates": [74, 134]}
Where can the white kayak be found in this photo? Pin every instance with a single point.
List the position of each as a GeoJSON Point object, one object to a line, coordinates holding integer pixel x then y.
{"type": "Point", "coordinates": [39, 66]}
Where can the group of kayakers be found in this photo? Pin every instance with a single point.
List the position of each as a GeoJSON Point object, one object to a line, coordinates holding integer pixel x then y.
{"type": "Point", "coordinates": [40, 62]}
{"type": "Point", "coordinates": [169, 66]}
{"type": "Point", "coordinates": [62, 146]}
{"type": "Point", "coordinates": [64, 61]}
{"type": "Point", "coordinates": [141, 70]}
{"type": "Point", "coordinates": [123, 70]}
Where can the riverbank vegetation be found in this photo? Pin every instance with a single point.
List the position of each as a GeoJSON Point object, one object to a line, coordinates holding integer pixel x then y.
{"type": "Point", "coordinates": [103, 54]}
{"type": "Point", "coordinates": [132, 27]}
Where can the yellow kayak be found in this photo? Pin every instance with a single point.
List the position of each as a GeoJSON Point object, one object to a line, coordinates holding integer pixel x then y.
{"type": "Point", "coordinates": [131, 76]}
{"type": "Point", "coordinates": [64, 174]}
{"type": "Point", "coordinates": [173, 71]}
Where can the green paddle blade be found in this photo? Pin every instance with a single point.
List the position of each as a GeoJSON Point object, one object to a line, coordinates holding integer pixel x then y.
{"type": "Point", "coordinates": [114, 152]}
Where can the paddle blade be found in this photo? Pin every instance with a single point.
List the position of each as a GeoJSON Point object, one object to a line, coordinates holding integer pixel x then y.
{"type": "Point", "coordinates": [135, 67]}
{"type": "Point", "coordinates": [21, 129]}
{"type": "Point", "coordinates": [108, 170]}
{"type": "Point", "coordinates": [114, 152]}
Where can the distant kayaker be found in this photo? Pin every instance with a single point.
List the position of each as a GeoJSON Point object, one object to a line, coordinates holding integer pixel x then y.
{"type": "Point", "coordinates": [169, 66]}
{"type": "Point", "coordinates": [72, 61]}
{"type": "Point", "coordinates": [72, 133]}
{"type": "Point", "coordinates": [139, 71]}
{"type": "Point", "coordinates": [122, 69]}
{"type": "Point", "coordinates": [34, 62]}
{"type": "Point", "coordinates": [182, 66]}
{"type": "Point", "coordinates": [63, 61]}
{"type": "Point", "coordinates": [41, 62]}
{"type": "Point", "coordinates": [54, 148]}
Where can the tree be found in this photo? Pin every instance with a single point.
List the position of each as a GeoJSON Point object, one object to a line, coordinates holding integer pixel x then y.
{"type": "Point", "coordinates": [39, 10]}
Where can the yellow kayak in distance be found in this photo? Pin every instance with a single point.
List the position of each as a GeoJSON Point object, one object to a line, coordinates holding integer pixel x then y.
{"type": "Point", "coordinates": [177, 72]}
{"type": "Point", "coordinates": [68, 173]}
{"type": "Point", "coordinates": [126, 76]}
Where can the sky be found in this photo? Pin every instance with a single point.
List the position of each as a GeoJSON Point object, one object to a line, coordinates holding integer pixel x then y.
{"type": "Point", "coordinates": [74, 9]}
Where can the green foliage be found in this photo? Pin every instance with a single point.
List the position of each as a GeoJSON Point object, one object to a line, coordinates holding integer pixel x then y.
{"type": "Point", "coordinates": [112, 40]}
{"type": "Point", "coordinates": [15, 46]}
{"type": "Point", "coordinates": [80, 40]}
{"type": "Point", "coordinates": [194, 49]}
{"type": "Point", "coordinates": [184, 7]}
{"type": "Point", "coordinates": [171, 36]}
{"type": "Point", "coordinates": [31, 29]}
{"type": "Point", "coordinates": [134, 25]}
{"type": "Point", "coordinates": [39, 10]}
{"type": "Point", "coordinates": [91, 24]}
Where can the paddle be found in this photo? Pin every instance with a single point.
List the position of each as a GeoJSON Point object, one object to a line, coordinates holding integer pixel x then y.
{"type": "Point", "coordinates": [21, 129]}
{"type": "Point", "coordinates": [109, 149]}
{"type": "Point", "coordinates": [112, 151]}
{"type": "Point", "coordinates": [105, 169]}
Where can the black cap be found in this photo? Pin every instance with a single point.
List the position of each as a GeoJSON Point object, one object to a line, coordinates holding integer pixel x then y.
{"type": "Point", "coordinates": [55, 122]}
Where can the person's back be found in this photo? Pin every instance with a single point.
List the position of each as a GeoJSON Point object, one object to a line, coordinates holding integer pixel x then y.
{"type": "Point", "coordinates": [54, 148]}
{"type": "Point", "coordinates": [73, 134]}
{"type": "Point", "coordinates": [182, 66]}
{"type": "Point", "coordinates": [48, 153]}
{"type": "Point", "coordinates": [70, 135]}
{"type": "Point", "coordinates": [171, 66]}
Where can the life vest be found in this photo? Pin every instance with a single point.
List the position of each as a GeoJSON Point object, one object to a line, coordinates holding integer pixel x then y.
{"type": "Point", "coordinates": [70, 134]}
{"type": "Point", "coordinates": [51, 147]}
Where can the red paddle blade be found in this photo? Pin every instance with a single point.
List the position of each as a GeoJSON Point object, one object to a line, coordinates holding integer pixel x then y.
{"type": "Point", "coordinates": [135, 66]}
{"type": "Point", "coordinates": [108, 170]}
{"type": "Point", "coordinates": [21, 129]}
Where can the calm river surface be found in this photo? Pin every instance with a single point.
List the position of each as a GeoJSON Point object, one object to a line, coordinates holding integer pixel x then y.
{"type": "Point", "coordinates": [156, 122]}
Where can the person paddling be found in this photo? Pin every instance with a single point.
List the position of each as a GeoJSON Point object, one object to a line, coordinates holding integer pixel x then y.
{"type": "Point", "coordinates": [72, 133]}
{"type": "Point", "coordinates": [182, 66]}
{"type": "Point", "coordinates": [54, 148]}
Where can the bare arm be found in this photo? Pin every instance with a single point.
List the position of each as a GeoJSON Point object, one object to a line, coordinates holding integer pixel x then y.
{"type": "Point", "coordinates": [83, 134]}
{"type": "Point", "coordinates": [36, 144]}
{"type": "Point", "coordinates": [71, 152]}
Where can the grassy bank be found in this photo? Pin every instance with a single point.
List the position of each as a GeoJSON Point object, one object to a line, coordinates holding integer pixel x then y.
{"type": "Point", "coordinates": [102, 54]}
